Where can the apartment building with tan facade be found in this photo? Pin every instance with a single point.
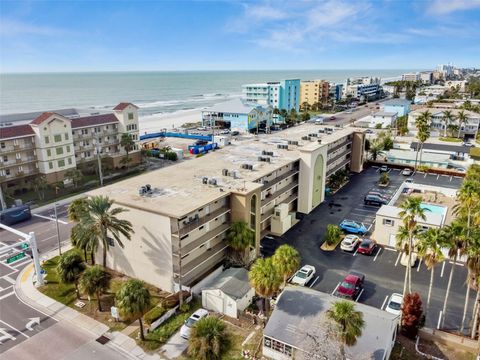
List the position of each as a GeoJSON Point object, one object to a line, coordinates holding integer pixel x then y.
{"type": "Point", "coordinates": [314, 92]}
{"type": "Point", "coordinates": [51, 143]}
{"type": "Point", "coordinates": [181, 214]}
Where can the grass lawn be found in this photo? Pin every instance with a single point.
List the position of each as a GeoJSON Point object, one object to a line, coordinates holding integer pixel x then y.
{"type": "Point", "coordinates": [65, 293]}
{"type": "Point", "coordinates": [450, 139]}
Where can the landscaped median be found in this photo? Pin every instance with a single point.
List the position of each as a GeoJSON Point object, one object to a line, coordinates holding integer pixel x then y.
{"type": "Point", "coordinates": [333, 237]}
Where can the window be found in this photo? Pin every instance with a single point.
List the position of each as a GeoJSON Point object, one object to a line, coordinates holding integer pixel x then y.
{"type": "Point", "coordinates": [130, 116]}
{"type": "Point", "coordinates": [84, 131]}
{"type": "Point", "coordinates": [68, 148]}
{"type": "Point", "coordinates": [69, 161]}
{"type": "Point", "coordinates": [47, 139]}
{"type": "Point", "coordinates": [2, 145]}
{"type": "Point", "coordinates": [61, 163]}
{"type": "Point", "coordinates": [253, 212]}
{"type": "Point", "coordinates": [50, 165]}
{"type": "Point", "coordinates": [5, 158]}
{"type": "Point", "coordinates": [59, 150]}
{"type": "Point", "coordinates": [7, 171]}
{"type": "Point", "coordinates": [388, 222]}
{"type": "Point", "coordinates": [66, 136]}
{"type": "Point", "coordinates": [57, 138]}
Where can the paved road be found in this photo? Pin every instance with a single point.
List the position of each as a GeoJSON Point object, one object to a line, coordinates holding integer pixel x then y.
{"type": "Point", "coordinates": [18, 321]}
{"type": "Point", "coordinates": [384, 273]}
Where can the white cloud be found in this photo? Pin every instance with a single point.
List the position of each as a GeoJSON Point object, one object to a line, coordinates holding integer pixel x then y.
{"type": "Point", "coordinates": [442, 7]}
{"type": "Point", "coordinates": [13, 27]}
{"type": "Point", "coordinates": [264, 12]}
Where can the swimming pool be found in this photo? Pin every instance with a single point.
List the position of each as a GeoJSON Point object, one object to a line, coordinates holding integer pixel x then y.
{"type": "Point", "coordinates": [434, 209]}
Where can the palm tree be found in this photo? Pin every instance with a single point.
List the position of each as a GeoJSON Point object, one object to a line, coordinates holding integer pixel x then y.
{"type": "Point", "coordinates": [75, 175]}
{"type": "Point", "coordinates": [462, 120]}
{"type": "Point", "coordinates": [404, 245]}
{"type": "Point", "coordinates": [287, 260]}
{"type": "Point", "coordinates": [39, 184]}
{"type": "Point", "coordinates": [265, 279]}
{"type": "Point", "coordinates": [448, 118]}
{"type": "Point", "coordinates": [128, 144]}
{"type": "Point", "coordinates": [350, 323]}
{"type": "Point", "coordinates": [208, 339]}
{"type": "Point", "coordinates": [101, 220]}
{"type": "Point", "coordinates": [473, 277]}
{"type": "Point", "coordinates": [468, 199]}
{"type": "Point", "coordinates": [83, 238]}
{"type": "Point", "coordinates": [76, 208]}
{"type": "Point", "coordinates": [410, 213]}
{"type": "Point", "coordinates": [430, 250]}
{"type": "Point", "coordinates": [69, 269]}
{"type": "Point", "coordinates": [422, 124]}
{"type": "Point", "coordinates": [454, 242]}
{"type": "Point", "coordinates": [95, 281]}
{"type": "Point", "coordinates": [241, 237]}
{"type": "Point", "coordinates": [133, 299]}
{"type": "Point", "coordinates": [376, 150]}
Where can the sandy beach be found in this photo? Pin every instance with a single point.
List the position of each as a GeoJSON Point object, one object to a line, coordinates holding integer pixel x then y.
{"type": "Point", "coordinates": [155, 123]}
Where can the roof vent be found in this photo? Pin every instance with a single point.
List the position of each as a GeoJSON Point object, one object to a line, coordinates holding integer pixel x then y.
{"type": "Point", "coordinates": [282, 146]}
{"type": "Point", "coordinates": [205, 180]}
{"type": "Point", "coordinates": [212, 181]}
{"type": "Point", "coordinates": [292, 142]}
{"type": "Point", "coordinates": [145, 190]}
{"type": "Point", "coordinates": [305, 138]}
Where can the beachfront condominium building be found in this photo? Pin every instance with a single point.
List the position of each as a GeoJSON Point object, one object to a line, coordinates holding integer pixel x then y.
{"type": "Point", "coordinates": [284, 94]}
{"type": "Point", "coordinates": [411, 77]}
{"type": "Point", "coordinates": [426, 77]}
{"type": "Point", "coordinates": [314, 92]}
{"type": "Point", "coordinates": [51, 143]}
{"type": "Point", "coordinates": [466, 129]}
{"type": "Point", "coordinates": [366, 88]}
{"type": "Point", "coordinates": [238, 115]}
{"type": "Point", "coordinates": [181, 214]}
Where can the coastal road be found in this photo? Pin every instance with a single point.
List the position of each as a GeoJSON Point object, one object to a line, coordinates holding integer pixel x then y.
{"type": "Point", "coordinates": [18, 321]}
{"type": "Point", "coordinates": [344, 117]}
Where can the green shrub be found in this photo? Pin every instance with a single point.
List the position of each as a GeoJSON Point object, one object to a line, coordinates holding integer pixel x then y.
{"type": "Point", "coordinates": [423, 168]}
{"type": "Point", "coordinates": [384, 179]}
{"type": "Point", "coordinates": [154, 314]}
{"type": "Point", "coordinates": [332, 235]}
{"type": "Point", "coordinates": [378, 126]}
{"type": "Point", "coordinates": [170, 155]}
{"type": "Point", "coordinates": [185, 307]}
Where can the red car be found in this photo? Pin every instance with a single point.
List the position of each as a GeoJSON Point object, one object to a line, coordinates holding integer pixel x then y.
{"type": "Point", "coordinates": [332, 117]}
{"type": "Point", "coordinates": [351, 286]}
{"type": "Point", "coordinates": [367, 246]}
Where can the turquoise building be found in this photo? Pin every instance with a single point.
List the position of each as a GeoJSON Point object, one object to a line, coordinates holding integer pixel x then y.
{"type": "Point", "coordinates": [284, 94]}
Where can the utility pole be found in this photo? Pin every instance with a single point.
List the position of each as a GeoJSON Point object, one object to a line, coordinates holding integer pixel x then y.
{"type": "Point", "coordinates": [58, 231]}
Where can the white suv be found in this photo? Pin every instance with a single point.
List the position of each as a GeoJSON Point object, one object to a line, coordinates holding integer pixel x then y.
{"type": "Point", "coordinates": [186, 328]}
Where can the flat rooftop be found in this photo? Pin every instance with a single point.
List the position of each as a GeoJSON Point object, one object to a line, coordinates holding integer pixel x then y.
{"type": "Point", "coordinates": [179, 189]}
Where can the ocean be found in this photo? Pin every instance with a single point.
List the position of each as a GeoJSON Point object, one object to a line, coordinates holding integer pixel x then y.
{"type": "Point", "coordinates": [154, 92]}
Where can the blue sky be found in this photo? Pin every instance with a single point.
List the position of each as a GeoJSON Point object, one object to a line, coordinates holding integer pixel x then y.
{"type": "Point", "coordinates": [49, 36]}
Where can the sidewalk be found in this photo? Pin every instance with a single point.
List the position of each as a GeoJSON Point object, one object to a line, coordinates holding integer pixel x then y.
{"type": "Point", "coordinates": [119, 342]}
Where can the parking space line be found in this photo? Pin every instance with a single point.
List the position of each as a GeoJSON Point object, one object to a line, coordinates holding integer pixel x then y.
{"type": "Point", "coordinates": [359, 295]}
{"type": "Point", "coordinates": [384, 302]}
{"type": "Point", "coordinates": [335, 290]}
{"type": "Point", "coordinates": [314, 281]}
{"type": "Point", "coordinates": [443, 268]}
{"type": "Point", "coordinates": [419, 264]}
{"type": "Point", "coordinates": [451, 178]}
{"type": "Point", "coordinates": [51, 219]}
{"type": "Point", "coordinates": [390, 249]}
{"type": "Point", "coordinates": [425, 175]}
{"type": "Point", "coordinates": [7, 294]}
{"type": "Point", "coordinates": [398, 258]}
{"type": "Point", "coordinates": [10, 326]}
{"type": "Point", "coordinates": [457, 263]}
{"type": "Point", "coordinates": [438, 176]}
{"type": "Point", "coordinates": [368, 211]}
{"type": "Point", "coordinates": [355, 253]}
{"type": "Point", "coordinates": [9, 279]}
{"type": "Point", "coordinates": [376, 255]}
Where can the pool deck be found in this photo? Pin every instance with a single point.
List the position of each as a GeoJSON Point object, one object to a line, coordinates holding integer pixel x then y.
{"type": "Point", "coordinates": [435, 199]}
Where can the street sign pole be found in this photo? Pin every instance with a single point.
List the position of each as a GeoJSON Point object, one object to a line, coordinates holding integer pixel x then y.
{"type": "Point", "coordinates": [58, 231]}
{"type": "Point", "coordinates": [36, 259]}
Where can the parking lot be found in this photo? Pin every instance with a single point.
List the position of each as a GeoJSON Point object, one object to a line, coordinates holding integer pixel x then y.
{"type": "Point", "coordinates": [384, 274]}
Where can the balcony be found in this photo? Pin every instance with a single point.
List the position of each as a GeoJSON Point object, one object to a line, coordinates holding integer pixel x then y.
{"type": "Point", "coordinates": [279, 192]}
{"type": "Point", "coordinates": [196, 223]}
{"type": "Point", "coordinates": [214, 253]}
{"type": "Point", "coordinates": [20, 174]}
{"type": "Point", "coordinates": [338, 167]}
{"type": "Point", "coordinates": [279, 178]}
{"type": "Point", "coordinates": [338, 156]}
{"type": "Point", "coordinates": [16, 148]}
{"type": "Point", "coordinates": [201, 240]}
{"type": "Point", "coordinates": [336, 147]}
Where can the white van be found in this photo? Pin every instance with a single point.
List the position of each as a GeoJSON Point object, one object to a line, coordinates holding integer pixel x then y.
{"type": "Point", "coordinates": [319, 121]}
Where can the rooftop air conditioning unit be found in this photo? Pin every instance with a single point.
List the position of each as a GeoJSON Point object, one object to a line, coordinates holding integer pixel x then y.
{"type": "Point", "coordinates": [264, 152]}
{"type": "Point", "coordinates": [305, 138]}
{"type": "Point", "coordinates": [224, 172]}
{"type": "Point", "coordinates": [319, 141]}
{"type": "Point", "coordinates": [205, 180]}
{"type": "Point", "coordinates": [260, 158]}
{"type": "Point", "coordinates": [250, 167]}
{"type": "Point", "coordinates": [313, 135]}
{"type": "Point", "coordinates": [269, 153]}
{"type": "Point", "coordinates": [267, 159]}
{"type": "Point", "coordinates": [212, 182]}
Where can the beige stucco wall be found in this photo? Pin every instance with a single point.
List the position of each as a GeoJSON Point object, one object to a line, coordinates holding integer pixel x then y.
{"type": "Point", "coordinates": [305, 189]}
{"type": "Point", "coordinates": [148, 255]}
{"type": "Point", "coordinates": [357, 155]}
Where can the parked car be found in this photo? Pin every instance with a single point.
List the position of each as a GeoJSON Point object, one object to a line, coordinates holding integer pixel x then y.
{"type": "Point", "coordinates": [351, 286]}
{"type": "Point", "coordinates": [353, 227]}
{"type": "Point", "coordinates": [369, 131]}
{"type": "Point", "coordinates": [394, 304]}
{"type": "Point", "coordinates": [373, 199]}
{"type": "Point", "coordinates": [187, 326]}
{"type": "Point", "coordinates": [383, 168]}
{"type": "Point", "coordinates": [319, 121]}
{"type": "Point", "coordinates": [469, 144]}
{"type": "Point", "coordinates": [378, 193]}
{"type": "Point", "coordinates": [304, 275]}
{"type": "Point", "coordinates": [407, 172]}
{"type": "Point", "coordinates": [332, 117]}
{"type": "Point", "coordinates": [404, 259]}
{"type": "Point", "coordinates": [367, 246]}
{"type": "Point", "coordinates": [350, 242]}
{"type": "Point", "coordinates": [409, 180]}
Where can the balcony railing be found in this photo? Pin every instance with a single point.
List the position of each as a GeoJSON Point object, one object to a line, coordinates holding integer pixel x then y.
{"type": "Point", "coordinates": [197, 222]}
{"type": "Point", "coordinates": [279, 178]}
{"type": "Point", "coordinates": [279, 192]}
{"type": "Point", "coordinates": [201, 240]}
{"type": "Point", "coordinates": [338, 167]}
{"type": "Point", "coordinates": [338, 156]}
{"type": "Point", "coordinates": [16, 148]}
{"type": "Point", "coordinates": [209, 255]}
